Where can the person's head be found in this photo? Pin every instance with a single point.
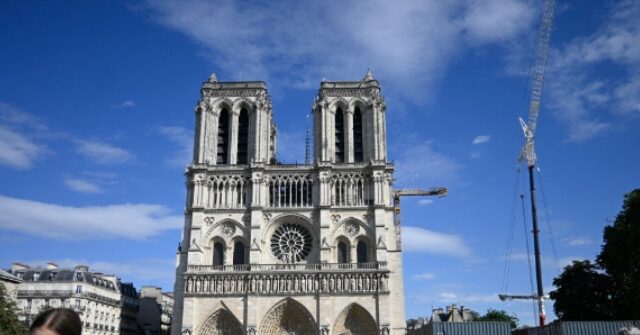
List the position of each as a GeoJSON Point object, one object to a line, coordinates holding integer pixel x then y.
{"type": "Point", "coordinates": [57, 321]}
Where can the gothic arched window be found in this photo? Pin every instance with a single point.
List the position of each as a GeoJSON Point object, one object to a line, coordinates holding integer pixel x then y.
{"type": "Point", "coordinates": [362, 252]}
{"type": "Point", "coordinates": [339, 122]}
{"type": "Point", "coordinates": [238, 253]}
{"type": "Point", "coordinates": [343, 252]}
{"type": "Point", "coordinates": [223, 137]}
{"type": "Point", "coordinates": [357, 135]}
{"type": "Point", "coordinates": [218, 253]}
{"type": "Point", "coordinates": [243, 136]}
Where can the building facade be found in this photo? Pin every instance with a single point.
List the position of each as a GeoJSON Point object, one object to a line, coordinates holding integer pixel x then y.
{"type": "Point", "coordinates": [272, 248]}
{"type": "Point", "coordinates": [156, 310]}
{"type": "Point", "coordinates": [104, 303]}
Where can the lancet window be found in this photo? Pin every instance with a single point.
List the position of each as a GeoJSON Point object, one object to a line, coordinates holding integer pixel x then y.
{"type": "Point", "coordinates": [218, 253]}
{"type": "Point", "coordinates": [295, 190]}
{"type": "Point", "coordinates": [238, 253]}
{"type": "Point", "coordinates": [343, 252]}
{"type": "Point", "coordinates": [243, 137]}
{"type": "Point", "coordinates": [357, 136]}
{"type": "Point", "coordinates": [227, 192]}
{"type": "Point", "coordinates": [339, 136]}
{"type": "Point", "coordinates": [223, 137]}
{"type": "Point", "coordinates": [361, 250]}
{"type": "Point", "coordinates": [348, 189]}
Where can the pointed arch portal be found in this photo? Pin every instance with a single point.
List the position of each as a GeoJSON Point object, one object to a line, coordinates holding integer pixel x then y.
{"type": "Point", "coordinates": [355, 320]}
{"type": "Point", "coordinates": [221, 322]}
{"type": "Point", "coordinates": [288, 317]}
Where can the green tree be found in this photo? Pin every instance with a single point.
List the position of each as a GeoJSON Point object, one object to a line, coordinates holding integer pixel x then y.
{"type": "Point", "coordinates": [583, 293]}
{"type": "Point", "coordinates": [499, 315]}
{"type": "Point", "coordinates": [620, 258]}
{"type": "Point", "coordinates": [610, 288]}
{"type": "Point", "coordinates": [9, 323]}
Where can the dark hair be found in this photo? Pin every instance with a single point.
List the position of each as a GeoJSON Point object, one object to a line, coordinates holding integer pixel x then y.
{"type": "Point", "coordinates": [63, 321]}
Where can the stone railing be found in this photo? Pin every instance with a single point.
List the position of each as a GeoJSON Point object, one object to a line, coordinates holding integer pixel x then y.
{"type": "Point", "coordinates": [284, 283]}
{"type": "Point", "coordinates": [288, 267]}
{"type": "Point", "coordinates": [44, 293]}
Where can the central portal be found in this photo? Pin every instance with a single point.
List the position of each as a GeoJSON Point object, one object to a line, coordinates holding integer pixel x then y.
{"type": "Point", "coordinates": [288, 317]}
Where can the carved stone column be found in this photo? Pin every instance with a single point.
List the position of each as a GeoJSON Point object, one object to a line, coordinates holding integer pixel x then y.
{"type": "Point", "coordinates": [348, 131]}
{"type": "Point", "coordinates": [233, 141]}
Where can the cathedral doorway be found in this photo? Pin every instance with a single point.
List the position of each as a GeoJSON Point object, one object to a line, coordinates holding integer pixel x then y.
{"type": "Point", "coordinates": [221, 322]}
{"type": "Point", "coordinates": [355, 320]}
{"type": "Point", "coordinates": [288, 317]}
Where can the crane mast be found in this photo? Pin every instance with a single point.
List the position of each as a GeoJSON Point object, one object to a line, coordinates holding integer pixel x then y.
{"type": "Point", "coordinates": [528, 151]}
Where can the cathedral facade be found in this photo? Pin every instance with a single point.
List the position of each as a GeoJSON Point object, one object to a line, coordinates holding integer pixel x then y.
{"type": "Point", "coordinates": [271, 248]}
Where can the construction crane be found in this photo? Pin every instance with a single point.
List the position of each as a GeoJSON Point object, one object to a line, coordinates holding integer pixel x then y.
{"type": "Point", "coordinates": [437, 191]}
{"type": "Point", "coordinates": [528, 153]}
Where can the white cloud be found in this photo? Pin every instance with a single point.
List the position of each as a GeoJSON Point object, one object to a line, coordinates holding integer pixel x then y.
{"type": "Point", "coordinates": [467, 298]}
{"type": "Point", "coordinates": [419, 164]}
{"type": "Point", "coordinates": [128, 104]}
{"type": "Point", "coordinates": [103, 153]}
{"type": "Point", "coordinates": [424, 276]}
{"type": "Point", "coordinates": [425, 202]}
{"type": "Point", "coordinates": [82, 186]}
{"type": "Point", "coordinates": [129, 221]}
{"type": "Point", "coordinates": [586, 98]}
{"type": "Point", "coordinates": [183, 138]}
{"type": "Point", "coordinates": [407, 43]}
{"type": "Point", "coordinates": [415, 239]}
{"type": "Point", "coordinates": [578, 241]}
{"type": "Point", "coordinates": [480, 139]}
{"type": "Point", "coordinates": [497, 20]}
{"type": "Point", "coordinates": [17, 150]}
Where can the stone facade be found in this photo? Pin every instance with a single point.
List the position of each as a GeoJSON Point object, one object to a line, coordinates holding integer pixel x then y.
{"type": "Point", "coordinates": [156, 310]}
{"type": "Point", "coordinates": [272, 248]}
{"type": "Point", "coordinates": [106, 305]}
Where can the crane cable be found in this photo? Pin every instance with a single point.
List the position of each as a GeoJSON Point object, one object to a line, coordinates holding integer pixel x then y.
{"type": "Point", "coordinates": [548, 221]}
{"type": "Point", "coordinates": [510, 232]}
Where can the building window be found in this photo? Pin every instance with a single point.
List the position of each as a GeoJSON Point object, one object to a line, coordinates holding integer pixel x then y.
{"type": "Point", "coordinates": [362, 252]}
{"type": "Point", "coordinates": [223, 136]}
{"type": "Point", "coordinates": [343, 252]}
{"type": "Point", "coordinates": [339, 131]}
{"type": "Point", "coordinates": [78, 288]}
{"type": "Point", "coordinates": [243, 137]}
{"type": "Point", "coordinates": [238, 253]}
{"type": "Point", "coordinates": [218, 254]}
{"type": "Point", "coordinates": [357, 136]}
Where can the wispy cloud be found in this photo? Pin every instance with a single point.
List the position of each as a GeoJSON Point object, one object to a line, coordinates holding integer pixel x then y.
{"type": "Point", "coordinates": [415, 239]}
{"type": "Point", "coordinates": [334, 39]}
{"type": "Point", "coordinates": [578, 241]}
{"type": "Point", "coordinates": [418, 163]}
{"type": "Point", "coordinates": [589, 101]}
{"type": "Point", "coordinates": [480, 139]}
{"type": "Point", "coordinates": [102, 152]}
{"type": "Point", "coordinates": [183, 139]}
{"type": "Point", "coordinates": [82, 186]}
{"type": "Point", "coordinates": [18, 150]}
{"type": "Point", "coordinates": [129, 221]}
{"type": "Point", "coordinates": [425, 202]}
{"type": "Point", "coordinates": [424, 276]}
{"type": "Point", "coordinates": [127, 104]}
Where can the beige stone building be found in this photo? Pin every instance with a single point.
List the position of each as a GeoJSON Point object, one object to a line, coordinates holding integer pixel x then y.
{"type": "Point", "coordinates": [156, 310]}
{"type": "Point", "coordinates": [271, 248]}
{"type": "Point", "coordinates": [106, 305]}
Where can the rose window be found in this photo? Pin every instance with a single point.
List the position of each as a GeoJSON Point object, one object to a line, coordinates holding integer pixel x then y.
{"type": "Point", "coordinates": [291, 243]}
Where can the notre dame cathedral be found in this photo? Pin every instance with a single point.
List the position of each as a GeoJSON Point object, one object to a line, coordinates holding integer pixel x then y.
{"type": "Point", "coordinates": [271, 248]}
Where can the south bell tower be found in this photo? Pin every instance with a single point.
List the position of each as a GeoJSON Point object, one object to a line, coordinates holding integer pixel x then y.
{"type": "Point", "coordinates": [271, 248]}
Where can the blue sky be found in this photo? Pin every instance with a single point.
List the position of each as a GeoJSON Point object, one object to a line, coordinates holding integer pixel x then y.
{"type": "Point", "coordinates": [96, 124]}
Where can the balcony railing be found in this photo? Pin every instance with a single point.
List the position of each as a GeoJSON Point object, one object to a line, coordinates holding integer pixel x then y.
{"type": "Point", "coordinates": [289, 267]}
